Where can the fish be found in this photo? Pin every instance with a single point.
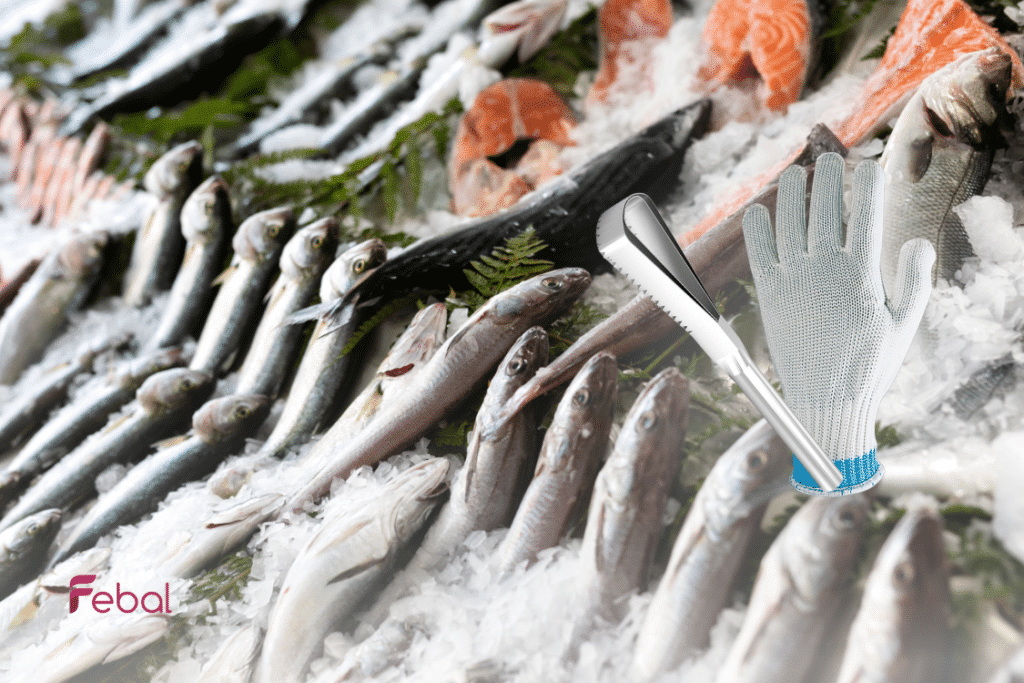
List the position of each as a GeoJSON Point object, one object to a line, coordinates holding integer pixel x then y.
{"type": "Point", "coordinates": [80, 418]}
{"type": "Point", "coordinates": [901, 630]}
{"type": "Point", "coordinates": [707, 552]}
{"type": "Point", "coordinates": [628, 29]}
{"type": "Point", "coordinates": [341, 565]}
{"type": "Point", "coordinates": [939, 154]}
{"type": "Point", "coordinates": [503, 113]}
{"type": "Point", "coordinates": [569, 460]}
{"type": "Point", "coordinates": [158, 243]}
{"type": "Point", "coordinates": [257, 244]}
{"type": "Point", "coordinates": [628, 503]}
{"type": "Point", "coordinates": [163, 403]}
{"type": "Point", "coordinates": [564, 215]}
{"type": "Point", "coordinates": [804, 579]}
{"type": "Point", "coordinates": [303, 261]}
{"type": "Point", "coordinates": [483, 495]}
{"type": "Point", "coordinates": [10, 287]}
{"type": "Point", "coordinates": [446, 379]}
{"type": "Point", "coordinates": [59, 286]}
{"type": "Point", "coordinates": [220, 427]}
{"type": "Point", "coordinates": [981, 386]}
{"type": "Point", "coordinates": [205, 224]}
{"type": "Point", "coordinates": [23, 548]}
{"type": "Point", "coordinates": [234, 659]}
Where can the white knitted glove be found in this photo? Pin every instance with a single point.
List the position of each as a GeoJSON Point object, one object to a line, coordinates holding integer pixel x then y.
{"type": "Point", "coordinates": [836, 340]}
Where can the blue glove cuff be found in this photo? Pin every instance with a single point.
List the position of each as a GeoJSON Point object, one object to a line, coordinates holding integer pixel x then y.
{"type": "Point", "coordinates": [859, 474]}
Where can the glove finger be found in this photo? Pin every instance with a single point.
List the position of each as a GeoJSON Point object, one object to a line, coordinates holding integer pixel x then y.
{"type": "Point", "coordinates": [760, 239]}
{"type": "Point", "coordinates": [825, 225]}
{"type": "Point", "coordinates": [789, 213]}
{"type": "Point", "coordinates": [913, 283]}
{"type": "Point", "coordinates": [865, 231]}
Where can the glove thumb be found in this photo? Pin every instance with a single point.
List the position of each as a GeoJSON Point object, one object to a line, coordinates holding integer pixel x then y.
{"type": "Point", "coordinates": [913, 283]}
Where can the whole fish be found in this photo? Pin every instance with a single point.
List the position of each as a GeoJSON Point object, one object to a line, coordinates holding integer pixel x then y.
{"type": "Point", "coordinates": [800, 589]}
{"type": "Point", "coordinates": [23, 548]}
{"type": "Point", "coordinates": [939, 155]}
{"type": "Point", "coordinates": [234, 659]}
{"type": "Point", "coordinates": [705, 558]}
{"type": "Point", "coordinates": [483, 493]}
{"type": "Point", "coordinates": [205, 224]}
{"type": "Point", "coordinates": [564, 215]}
{"type": "Point", "coordinates": [568, 463]}
{"type": "Point", "coordinates": [158, 244]}
{"type": "Point", "coordinates": [257, 244]}
{"type": "Point", "coordinates": [447, 378]}
{"type": "Point", "coordinates": [303, 261]}
{"type": "Point", "coordinates": [341, 565]}
{"type": "Point", "coordinates": [163, 404]}
{"type": "Point", "coordinates": [628, 503]}
{"type": "Point", "coordinates": [220, 427]}
{"type": "Point", "coordinates": [30, 407]}
{"type": "Point", "coordinates": [58, 287]}
{"type": "Point", "coordinates": [901, 630]}
{"type": "Point", "coordinates": [86, 414]}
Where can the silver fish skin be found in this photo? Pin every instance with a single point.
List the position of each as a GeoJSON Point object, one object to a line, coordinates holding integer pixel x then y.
{"type": "Point", "coordinates": [341, 565]}
{"type": "Point", "coordinates": [86, 414]}
{"type": "Point", "coordinates": [802, 584]}
{"type": "Point", "coordinates": [234, 659]}
{"type": "Point", "coordinates": [705, 558]}
{"type": "Point", "coordinates": [901, 632]}
{"type": "Point", "coordinates": [275, 343]}
{"type": "Point", "coordinates": [158, 244]}
{"type": "Point", "coordinates": [220, 427]}
{"type": "Point", "coordinates": [257, 244]}
{"type": "Point", "coordinates": [23, 548]}
{"type": "Point", "coordinates": [939, 155]}
{"type": "Point", "coordinates": [568, 463]}
{"type": "Point", "coordinates": [447, 378]}
{"type": "Point", "coordinates": [163, 404]}
{"type": "Point", "coordinates": [205, 224]}
{"type": "Point", "coordinates": [483, 493]}
{"type": "Point", "coordinates": [624, 522]}
{"type": "Point", "coordinates": [39, 311]}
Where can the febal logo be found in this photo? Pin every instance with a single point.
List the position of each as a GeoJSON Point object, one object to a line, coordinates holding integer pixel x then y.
{"type": "Point", "coordinates": [102, 600]}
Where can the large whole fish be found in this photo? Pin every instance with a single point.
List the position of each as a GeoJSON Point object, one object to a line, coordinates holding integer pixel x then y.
{"type": "Point", "coordinates": [221, 427]}
{"type": "Point", "coordinates": [707, 553]}
{"type": "Point", "coordinates": [344, 562]}
{"type": "Point", "coordinates": [564, 214]}
{"type": "Point", "coordinates": [23, 548]}
{"type": "Point", "coordinates": [447, 378]}
{"type": "Point", "coordinates": [158, 244]}
{"type": "Point", "coordinates": [58, 287]}
{"type": "Point", "coordinates": [569, 460]}
{"type": "Point", "coordinates": [939, 155]}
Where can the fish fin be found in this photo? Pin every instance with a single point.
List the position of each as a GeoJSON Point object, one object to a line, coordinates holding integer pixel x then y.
{"type": "Point", "coordinates": [223, 277]}
{"type": "Point", "coordinates": [25, 615]}
{"type": "Point", "coordinates": [308, 313]}
{"type": "Point", "coordinates": [357, 569]}
{"type": "Point", "coordinates": [173, 441]}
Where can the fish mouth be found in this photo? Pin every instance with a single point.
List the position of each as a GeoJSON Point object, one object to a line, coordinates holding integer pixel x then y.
{"type": "Point", "coordinates": [967, 103]}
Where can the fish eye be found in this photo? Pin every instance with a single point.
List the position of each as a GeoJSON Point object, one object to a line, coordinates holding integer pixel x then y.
{"type": "Point", "coordinates": [359, 265]}
{"type": "Point", "coordinates": [241, 412]}
{"type": "Point", "coordinates": [552, 284]}
{"type": "Point", "coordinates": [186, 384]}
{"type": "Point", "coordinates": [904, 573]}
{"type": "Point", "coordinates": [273, 230]}
{"type": "Point", "coordinates": [318, 241]}
{"type": "Point", "coordinates": [515, 366]}
{"type": "Point", "coordinates": [582, 397]}
{"type": "Point", "coordinates": [32, 528]}
{"type": "Point", "coordinates": [847, 518]}
{"type": "Point", "coordinates": [757, 459]}
{"type": "Point", "coordinates": [648, 420]}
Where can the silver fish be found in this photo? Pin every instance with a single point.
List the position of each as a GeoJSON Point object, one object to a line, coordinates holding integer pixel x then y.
{"type": "Point", "coordinates": [447, 378]}
{"type": "Point", "coordinates": [158, 244]}
{"type": "Point", "coordinates": [569, 461]}
{"type": "Point", "coordinates": [234, 659]}
{"type": "Point", "coordinates": [938, 155]}
{"type": "Point", "coordinates": [272, 354]}
{"type": "Point", "coordinates": [205, 224]}
{"type": "Point", "coordinates": [163, 403]}
{"type": "Point", "coordinates": [624, 521]}
{"type": "Point", "coordinates": [257, 243]}
{"type": "Point", "coordinates": [344, 561]}
{"type": "Point", "coordinates": [58, 287]}
{"type": "Point", "coordinates": [901, 632]}
{"type": "Point", "coordinates": [220, 427]}
{"type": "Point", "coordinates": [800, 588]}
{"type": "Point", "coordinates": [82, 417]}
{"type": "Point", "coordinates": [707, 553]}
{"type": "Point", "coordinates": [23, 548]}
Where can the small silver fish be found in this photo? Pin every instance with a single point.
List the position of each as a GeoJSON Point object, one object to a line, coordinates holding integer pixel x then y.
{"type": "Point", "coordinates": [23, 548]}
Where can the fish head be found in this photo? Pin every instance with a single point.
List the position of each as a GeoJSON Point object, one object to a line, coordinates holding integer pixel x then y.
{"type": "Point", "coordinates": [205, 211]}
{"type": "Point", "coordinates": [223, 418]}
{"type": "Point", "coordinates": [81, 256]}
{"type": "Point", "coordinates": [261, 234]}
{"type": "Point", "coordinates": [425, 334]}
{"type": "Point", "coordinates": [525, 357]}
{"type": "Point", "coordinates": [135, 372]}
{"type": "Point", "coordinates": [417, 490]}
{"type": "Point", "coordinates": [351, 267]}
{"type": "Point", "coordinates": [529, 23]}
{"type": "Point", "coordinates": [584, 414]}
{"type": "Point", "coordinates": [823, 543]}
{"type": "Point", "coordinates": [173, 389]}
{"type": "Point", "coordinates": [31, 533]}
{"type": "Point", "coordinates": [307, 254]}
{"type": "Point", "coordinates": [179, 169]}
{"type": "Point", "coordinates": [543, 298]}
